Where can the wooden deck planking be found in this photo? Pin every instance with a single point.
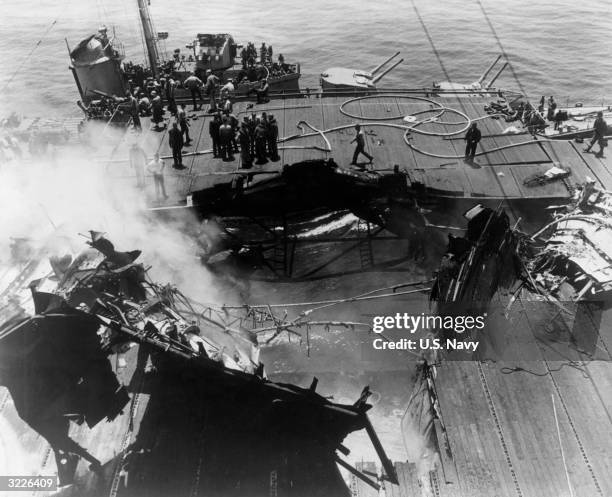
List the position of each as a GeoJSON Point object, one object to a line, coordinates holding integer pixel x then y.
{"type": "Point", "coordinates": [514, 396]}
{"type": "Point", "coordinates": [487, 128]}
{"type": "Point", "coordinates": [342, 149]}
{"type": "Point", "coordinates": [384, 143]}
{"type": "Point", "coordinates": [591, 420]}
{"type": "Point", "coordinates": [564, 154]}
{"type": "Point", "coordinates": [493, 137]}
{"type": "Point", "coordinates": [462, 408]}
{"type": "Point", "coordinates": [311, 112]}
{"type": "Point", "coordinates": [483, 181]}
{"type": "Point", "coordinates": [597, 166]}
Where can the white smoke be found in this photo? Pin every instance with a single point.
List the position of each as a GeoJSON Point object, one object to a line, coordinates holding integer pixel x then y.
{"type": "Point", "coordinates": [53, 198]}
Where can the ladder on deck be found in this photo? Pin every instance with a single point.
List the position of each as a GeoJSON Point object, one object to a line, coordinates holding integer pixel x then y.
{"type": "Point", "coordinates": [366, 255]}
{"type": "Point", "coordinates": [283, 252]}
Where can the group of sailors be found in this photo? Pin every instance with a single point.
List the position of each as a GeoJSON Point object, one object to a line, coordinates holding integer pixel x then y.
{"type": "Point", "coordinates": [248, 55]}
{"type": "Point", "coordinates": [252, 72]}
{"type": "Point", "coordinates": [536, 119]}
{"type": "Point", "coordinates": [257, 136]}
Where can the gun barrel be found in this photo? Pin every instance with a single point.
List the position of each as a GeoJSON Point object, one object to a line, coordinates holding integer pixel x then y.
{"type": "Point", "coordinates": [486, 73]}
{"type": "Point", "coordinates": [377, 78]}
{"type": "Point", "coordinates": [379, 66]}
{"type": "Point", "coordinates": [490, 83]}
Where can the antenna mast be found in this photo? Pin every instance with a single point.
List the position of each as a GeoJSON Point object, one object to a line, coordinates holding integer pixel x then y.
{"type": "Point", "coordinates": [150, 41]}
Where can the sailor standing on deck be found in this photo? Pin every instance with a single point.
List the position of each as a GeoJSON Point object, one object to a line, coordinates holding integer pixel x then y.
{"type": "Point", "coordinates": [156, 168]}
{"type": "Point", "coordinates": [601, 128]}
{"type": "Point", "coordinates": [132, 103]}
{"type": "Point", "coordinates": [194, 85]}
{"type": "Point", "coordinates": [181, 116]}
{"type": "Point", "coordinates": [233, 122]}
{"type": "Point", "coordinates": [360, 147]}
{"type": "Point", "coordinates": [175, 140]}
{"type": "Point", "coordinates": [552, 108]}
{"type": "Point", "coordinates": [212, 82]}
{"type": "Point", "coordinates": [157, 107]}
{"type": "Point", "coordinates": [260, 143]}
{"type": "Point", "coordinates": [245, 144]}
{"type": "Point", "coordinates": [138, 160]}
{"type": "Point", "coordinates": [472, 137]}
{"type": "Point", "coordinates": [213, 131]}
{"type": "Point", "coordinates": [226, 136]}
{"type": "Point", "coordinates": [170, 95]}
{"type": "Point", "coordinates": [272, 137]}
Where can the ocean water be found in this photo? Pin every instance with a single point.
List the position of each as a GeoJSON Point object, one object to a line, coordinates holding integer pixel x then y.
{"type": "Point", "coordinates": [559, 47]}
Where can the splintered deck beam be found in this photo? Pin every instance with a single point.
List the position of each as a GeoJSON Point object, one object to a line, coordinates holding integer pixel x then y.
{"type": "Point", "coordinates": [385, 461]}
{"type": "Point", "coordinates": [357, 473]}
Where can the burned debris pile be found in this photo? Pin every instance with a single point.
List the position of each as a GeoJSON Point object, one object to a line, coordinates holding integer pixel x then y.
{"type": "Point", "coordinates": [570, 257]}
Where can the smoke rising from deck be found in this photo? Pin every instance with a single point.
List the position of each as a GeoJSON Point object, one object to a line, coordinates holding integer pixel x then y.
{"type": "Point", "coordinates": [51, 199]}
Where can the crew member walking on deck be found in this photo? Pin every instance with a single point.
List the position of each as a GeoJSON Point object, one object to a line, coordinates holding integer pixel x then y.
{"type": "Point", "coordinates": [360, 147]}
{"type": "Point", "coordinates": [601, 128]}
{"type": "Point", "coordinates": [181, 116]}
{"type": "Point", "coordinates": [156, 168]}
{"type": "Point", "coordinates": [213, 130]}
{"type": "Point", "coordinates": [472, 137]}
{"type": "Point", "coordinates": [194, 85]}
{"type": "Point", "coordinates": [175, 139]}
{"type": "Point", "coordinates": [138, 160]}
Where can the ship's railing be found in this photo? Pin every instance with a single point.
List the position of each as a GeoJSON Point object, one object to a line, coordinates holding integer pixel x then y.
{"type": "Point", "coordinates": [571, 101]}
{"type": "Point", "coordinates": [348, 92]}
{"type": "Point", "coordinates": [317, 92]}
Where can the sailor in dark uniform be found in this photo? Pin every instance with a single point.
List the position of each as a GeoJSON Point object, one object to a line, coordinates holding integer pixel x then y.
{"type": "Point", "coordinates": [245, 145]}
{"type": "Point", "coordinates": [601, 128]}
{"type": "Point", "coordinates": [272, 137]}
{"type": "Point", "coordinates": [158, 109]}
{"type": "Point", "coordinates": [472, 137]}
{"type": "Point", "coordinates": [552, 107]}
{"type": "Point", "coordinates": [360, 147]}
{"type": "Point", "coordinates": [175, 139]}
{"type": "Point", "coordinates": [260, 143]}
{"type": "Point", "coordinates": [213, 130]}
